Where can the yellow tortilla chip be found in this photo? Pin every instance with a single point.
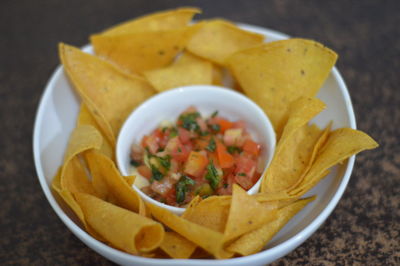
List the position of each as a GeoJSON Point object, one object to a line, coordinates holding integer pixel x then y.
{"type": "Point", "coordinates": [86, 118]}
{"type": "Point", "coordinates": [277, 73]}
{"type": "Point", "coordinates": [142, 51]}
{"type": "Point", "coordinates": [82, 138]}
{"type": "Point", "coordinates": [109, 181]}
{"type": "Point", "coordinates": [317, 147]}
{"type": "Point", "coordinates": [164, 20]}
{"type": "Point", "coordinates": [208, 239]}
{"type": "Point", "coordinates": [245, 214]}
{"type": "Point", "coordinates": [176, 246]}
{"type": "Point", "coordinates": [295, 147]}
{"type": "Point", "coordinates": [211, 212]}
{"type": "Point", "coordinates": [256, 240]}
{"type": "Point", "coordinates": [291, 162]}
{"type": "Point", "coordinates": [124, 229]}
{"type": "Point", "coordinates": [187, 70]}
{"type": "Point", "coordinates": [101, 86]}
{"type": "Point", "coordinates": [217, 39]}
{"type": "Point", "coordinates": [341, 144]}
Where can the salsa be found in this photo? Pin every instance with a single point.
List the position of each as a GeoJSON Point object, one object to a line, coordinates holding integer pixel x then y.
{"type": "Point", "coordinates": [196, 156]}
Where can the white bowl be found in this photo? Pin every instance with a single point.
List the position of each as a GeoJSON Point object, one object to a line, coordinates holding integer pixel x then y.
{"type": "Point", "coordinates": [168, 105]}
{"type": "Point", "coordinates": [55, 120]}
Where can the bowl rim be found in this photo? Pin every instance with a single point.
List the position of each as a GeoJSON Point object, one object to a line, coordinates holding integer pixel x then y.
{"type": "Point", "coordinates": [180, 92]}
{"type": "Point", "coordinates": [274, 253]}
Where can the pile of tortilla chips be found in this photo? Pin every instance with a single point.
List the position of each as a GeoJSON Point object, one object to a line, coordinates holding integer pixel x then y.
{"type": "Point", "coordinates": [135, 60]}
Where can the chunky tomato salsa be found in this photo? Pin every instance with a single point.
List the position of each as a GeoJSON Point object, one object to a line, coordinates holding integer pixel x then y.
{"type": "Point", "coordinates": [196, 156]}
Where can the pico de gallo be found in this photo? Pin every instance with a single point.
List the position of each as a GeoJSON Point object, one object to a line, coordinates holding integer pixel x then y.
{"type": "Point", "coordinates": [196, 156]}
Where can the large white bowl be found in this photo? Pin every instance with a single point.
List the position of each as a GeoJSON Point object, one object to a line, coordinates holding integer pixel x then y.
{"type": "Point", "coordinates": [55, 120]}
{"type": "Point", "coordinates": [168, 105]}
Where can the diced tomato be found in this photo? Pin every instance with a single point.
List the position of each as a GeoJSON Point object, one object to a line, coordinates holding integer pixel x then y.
{"type": "Point", "coordinates": [225, 159]}
{"type": "Point", "coordinates": [239, 124]}
{"type": "Point", "coordinates": [226, 188]}
{"type": "Point", "coordinates": [144, 171]}
{"type": "Point", "coordinates": [221, 122]}
{"type": "Point", "coordinates": [184, 135]}
{"type": "Point", "coordinates": [245, 166]}
{"type": "Point", "coordinates": [202, 143]}
{"type": "Point", "coordinates": [251, 147]}
{"type": "Point", "coordinates": [170, 196]}
{"type": "Point", "coordinates": [244, 181]}
{"type": "Point", "coordinates": [195, 164]}
{"type": "Point", "coordinates": [202, 124]}
{"type": "Point", "coordinates": [151, 143]}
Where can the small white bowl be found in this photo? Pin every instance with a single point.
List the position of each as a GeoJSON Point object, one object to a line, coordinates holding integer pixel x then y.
{"type": "Point", "coordinates": [168, 105]}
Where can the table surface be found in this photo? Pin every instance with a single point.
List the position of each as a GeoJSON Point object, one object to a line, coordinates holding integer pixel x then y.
{"type": "Point", "coordinates": [363, 229]}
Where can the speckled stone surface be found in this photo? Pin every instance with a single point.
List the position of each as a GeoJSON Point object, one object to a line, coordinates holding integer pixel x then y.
{"type": "Point", "coordinates": [364, 229]}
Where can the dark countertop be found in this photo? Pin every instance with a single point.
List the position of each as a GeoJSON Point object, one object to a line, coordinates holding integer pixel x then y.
{"type": "Point", "coordinates": [364, 228]}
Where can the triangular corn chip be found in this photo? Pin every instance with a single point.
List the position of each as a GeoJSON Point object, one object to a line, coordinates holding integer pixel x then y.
{"type": "Point", "coordinates": [109, 94]}
{"type": "Point", "coordinates": [276, 73]}
{"type": "Point", "coordinates": [217, 39]}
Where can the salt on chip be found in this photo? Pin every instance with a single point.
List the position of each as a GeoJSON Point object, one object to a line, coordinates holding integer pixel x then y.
{"type": "Point", "coordinates": [176, 246]}
{"type": "Point", "coordinates": [122, 228]}
{"type": "Point", "coordinates": [142, 51]}
{"type": "Point", "coordinates": [164, 20]}
{"type": "Point", "coordinates": [111, 181]}
{"type": "Point", "coordinates": [101, 86]}
{"type": "Point", "coordinates": [277, 73]}
{"type": "Point", "coordinates": [216, 39]}
{"type": "Point", "coordinates": [188, 69]}
{"type": "Point", "coordinates": [86, 118]}
{"type": "Point", "coordinates": [211, 212]}
{"type": "Point", "coordinates": [256, 240]}
{"type": "Point", "coordinates": [295, 147]}
{"type": "Point", "coordinates": [245, 215]}
{"type": "Point", "coordinates": [341, 144]}
{"type": "Point", "coordinates": [208, 239]}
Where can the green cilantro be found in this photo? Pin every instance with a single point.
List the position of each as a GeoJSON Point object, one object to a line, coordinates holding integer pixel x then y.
{"type": "Point", "coordinates": [189, 121]}
{"type": "Point", "coordinates": [173, 132]}
{"type": "Point", "coordinates": [242, 174]}
{"type": "Point", "coordinates": [165, 161]}
{"type": "Point", "coordinates": [212, 175]}
{"type": "Point", "coordinates": [233, 149]}
{"type": "Point", "coordinates": [215, 127]}
{"type": "Point", "coordinates": [182, 187]}
{"type": "Point", "coordinates": [211, 145]}
{"type": "Point", "coordinates": [156, 174]}
{"type": "Point", "coordinates": [134, 163]}
{"type": "Point", "coordinates": [214, 114]}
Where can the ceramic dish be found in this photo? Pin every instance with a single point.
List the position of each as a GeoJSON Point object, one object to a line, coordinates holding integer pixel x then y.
{"type": "Point", "coordinates": [206, 98]}
{"type": "Point", "coordinates": [55, 119]}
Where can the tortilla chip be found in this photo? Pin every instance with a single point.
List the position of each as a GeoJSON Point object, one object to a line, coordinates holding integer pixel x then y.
{"type": "Point", "coordinates": [86, 118]}
{"type": "Point", "coordinates": [101, 86]}
{"type": "Point", "coordinates": [277, 73]}
{"type": "Point", "coordinates": [217, 39]}
{"type": "Point", "coordinates": [176, 246]}
{"type": "Point", "coordinates": [142, 51]}
{"type": "Point", "coordinates": [245, 215]}
{"type": "Point", "coordinates": [211, 212]}
{"type": "Point", "coordinates": [295, 147]}
{"type": "Point", "coordinates": [164, 20]}
{"type": "Point", "coordinates": [109, 181]}
{"type": "Point", "coordinates": [204, 237]}
{"type": "Point", "coordinates": [187, 70]}
{"type": "Point", "coordinates": [317, 147]}
{"type": "Point", "coordinates": [124, 229]}
{"type": "Point", "coordinates": [341, 144]}
{"type": "Point", "coordinates": [82, 138]}
{"type": "Point", "coordinates": [256, 240]}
